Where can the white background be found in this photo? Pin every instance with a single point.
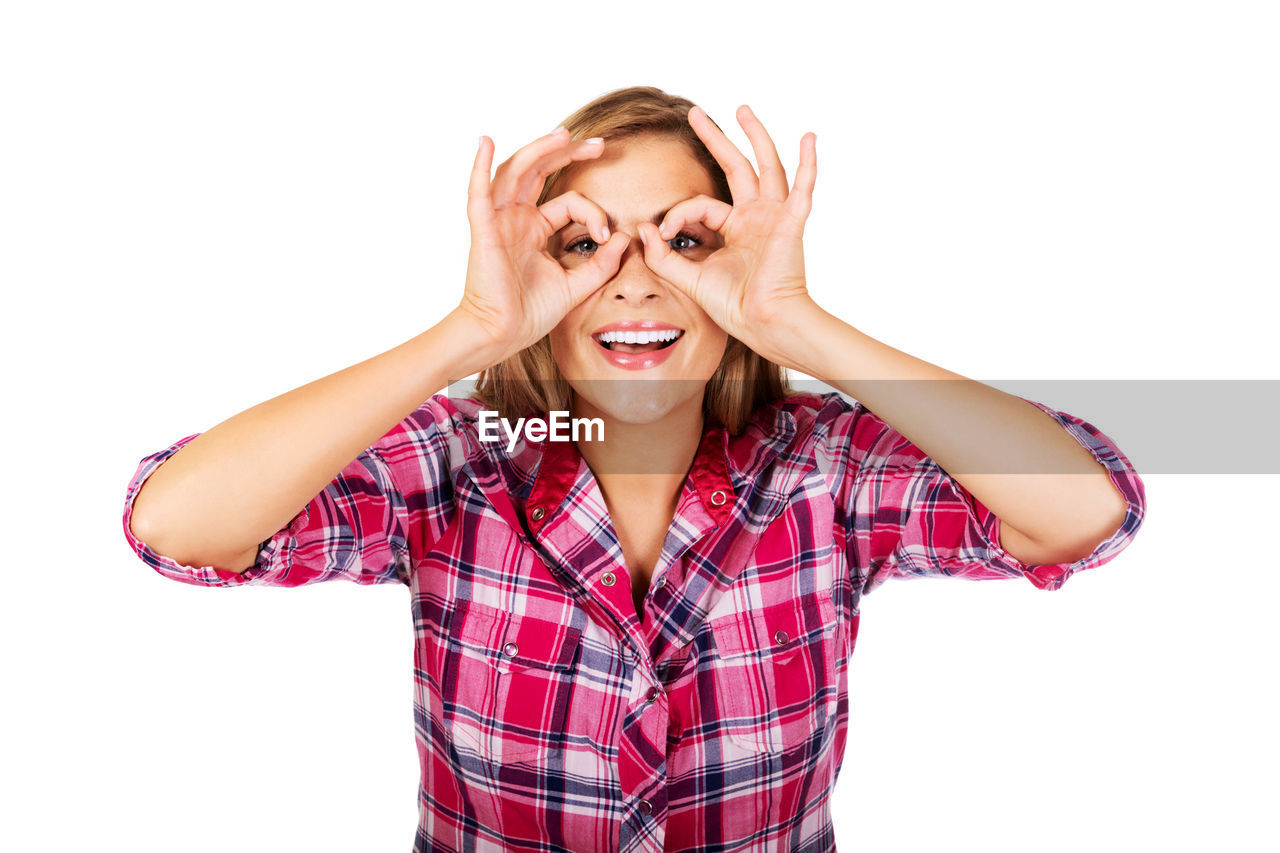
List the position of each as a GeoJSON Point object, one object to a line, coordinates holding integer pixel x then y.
{"type": "Point", "coordinates": [206, 205]}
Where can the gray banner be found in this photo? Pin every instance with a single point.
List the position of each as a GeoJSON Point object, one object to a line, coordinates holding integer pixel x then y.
{"type": "Point", "coordinates": [1176, 426]}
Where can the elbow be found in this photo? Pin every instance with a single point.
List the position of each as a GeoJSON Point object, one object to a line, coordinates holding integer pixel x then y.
{"type": "Point", "coordinates": [141, 526]}
{"type": "Point", "coordinates": [1096, 523]}
{"type": "Point", "coordinates": [1112, 510]}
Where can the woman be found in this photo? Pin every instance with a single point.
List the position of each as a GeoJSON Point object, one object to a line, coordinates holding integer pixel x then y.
{"type": "Point", "coordinates": [635, 640]}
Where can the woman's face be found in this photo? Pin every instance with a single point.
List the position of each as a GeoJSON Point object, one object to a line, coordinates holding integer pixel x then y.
{"type": "Point", "coordinates": [636, 180]}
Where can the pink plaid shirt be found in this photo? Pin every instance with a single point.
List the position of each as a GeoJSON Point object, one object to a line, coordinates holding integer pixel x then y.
{"type": "Point", "coordinates": [550, 715]}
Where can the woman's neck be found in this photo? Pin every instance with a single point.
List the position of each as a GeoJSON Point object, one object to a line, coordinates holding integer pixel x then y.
{"type": "Point", "coordinates": [650, 460]}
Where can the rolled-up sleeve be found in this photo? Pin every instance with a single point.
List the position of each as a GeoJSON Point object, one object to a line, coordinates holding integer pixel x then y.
{"type": "Point", "coordinates": [368, 525]}
{"type": "Point", "coordinates": [902, 515]}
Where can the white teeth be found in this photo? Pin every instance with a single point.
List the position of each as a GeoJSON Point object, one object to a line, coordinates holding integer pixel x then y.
{"type": "Point", "coordinates": [639, 337]}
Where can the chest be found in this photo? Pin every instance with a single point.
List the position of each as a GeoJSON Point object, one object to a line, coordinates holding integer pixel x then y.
{"type": "Point", "coordinates": [562, 551]}
{"type": "Point", "coordinates": [642, 531]}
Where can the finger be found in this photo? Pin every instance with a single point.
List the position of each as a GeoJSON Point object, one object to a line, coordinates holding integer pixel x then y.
{"type": "Point", "coordinates": [575, 207]}
{"type": "Point", "coordinates": [588, 278]}
{"type": "Point", "coordinates": [743, 183]}
{"type": "Point", "coordinates": [479, 203]}
{"type": "Point", "coordinates": [806, 175]}
{"type": "Point", "coordinates": [506, 178]}
{"type": "Point", "coordinates": [665, 261]}
{"type": "Point", "coordinates": [773, 177]}
{"type": "Point", "coordinates": [530, 185]}
{"type": "Point", "coordinates": [711, 212]}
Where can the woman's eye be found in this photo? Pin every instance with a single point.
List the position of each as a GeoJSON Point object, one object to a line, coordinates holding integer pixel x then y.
{"type": "Point", "coordinates": [694, 242]}
{"type": "Point", "coordinates": [586, 244]}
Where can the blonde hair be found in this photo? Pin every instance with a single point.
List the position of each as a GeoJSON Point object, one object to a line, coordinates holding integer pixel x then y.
{"type": "Point", "coordinates": [530, 383]}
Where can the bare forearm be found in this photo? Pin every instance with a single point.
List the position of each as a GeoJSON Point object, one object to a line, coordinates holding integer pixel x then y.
{"type": "Point", "coordinates": [241, 481]}
{"type": "Point", "coordinates": [973, 431]}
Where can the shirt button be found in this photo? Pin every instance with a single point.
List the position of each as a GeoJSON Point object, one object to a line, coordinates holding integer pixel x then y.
{"type": "Point", "coordinates": [717, 497]}
{"type": "Point", "coordinates": [608, 578]}
{"type": "Point", "coordinates": [645, 807]}
{"type": "Point", "coordinates": [781, 636]}
{"type": "Point", "coordinates": [651, 695]}
{"type": "Point", "coordinates": [510, 650]}
{"type": "Point", "coordinates": [660, 582]}
{"type": "Point", "coordinates": [538, 513]}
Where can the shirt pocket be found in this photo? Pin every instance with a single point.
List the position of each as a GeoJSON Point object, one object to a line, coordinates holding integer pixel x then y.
{"type": "Point", "coordinates": [507, 682]}
{"type": "Point", "coordinates": [775, 671]}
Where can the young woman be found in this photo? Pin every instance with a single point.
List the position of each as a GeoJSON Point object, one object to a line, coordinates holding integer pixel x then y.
{"type": "Point", "coordinates": [636, 640]}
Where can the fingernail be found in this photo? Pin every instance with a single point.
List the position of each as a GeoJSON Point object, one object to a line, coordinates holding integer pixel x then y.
{"type": "Point", "coordinates": [605, 232]}
{"type": "Point", "coordinates": [643, 239]}
{"type": "Point", "coordinates": [557, 130]}
{"type": "Point", "coordinates": [595, 140]}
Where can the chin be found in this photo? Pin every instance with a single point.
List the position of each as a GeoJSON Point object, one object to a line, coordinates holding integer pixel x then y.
{"type": "Point", "coordinates": [638, 401]}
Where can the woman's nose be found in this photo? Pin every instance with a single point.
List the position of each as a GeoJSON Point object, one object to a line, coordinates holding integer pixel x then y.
{"type": "Point", "coordinates": [634, 279]}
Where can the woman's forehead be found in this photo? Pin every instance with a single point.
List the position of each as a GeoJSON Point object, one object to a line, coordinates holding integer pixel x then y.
{"type": "Point", "coordinates": [633, 175]}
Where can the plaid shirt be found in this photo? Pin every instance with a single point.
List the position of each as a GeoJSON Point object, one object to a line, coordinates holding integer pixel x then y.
{"type": "Point", "coordinates": [549, 715]}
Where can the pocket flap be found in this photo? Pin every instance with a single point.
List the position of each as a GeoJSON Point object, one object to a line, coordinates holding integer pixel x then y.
{"type": "Point", "coordinates": [506, 637]}
{"type": "Point", "coordinates": [777, 627]}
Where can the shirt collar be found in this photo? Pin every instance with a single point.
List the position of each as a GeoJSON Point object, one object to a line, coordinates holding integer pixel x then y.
{"type": "Point", "coordinates": [723, 465]}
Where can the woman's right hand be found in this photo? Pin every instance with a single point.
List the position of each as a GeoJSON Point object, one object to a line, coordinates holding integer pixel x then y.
{"type": "Point", "coordinates": [516, 292]}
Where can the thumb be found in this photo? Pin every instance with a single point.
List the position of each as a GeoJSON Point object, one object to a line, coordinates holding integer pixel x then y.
{"type": "Point", "coordinates": [665, 261]}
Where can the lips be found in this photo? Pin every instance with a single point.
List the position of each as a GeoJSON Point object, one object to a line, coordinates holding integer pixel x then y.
{"type": "Point", "coordinates": [613, 347]}
{"type": "Point", "coordinates": [633, 336]}
{"type": "Point", "coordinates": [637, 344]}
{"type": "Point", "coordinates": [642, 341]}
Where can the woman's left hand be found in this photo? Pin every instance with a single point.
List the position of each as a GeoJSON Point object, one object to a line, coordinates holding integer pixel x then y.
{"type": "Point", "coordinates": [753, 284]}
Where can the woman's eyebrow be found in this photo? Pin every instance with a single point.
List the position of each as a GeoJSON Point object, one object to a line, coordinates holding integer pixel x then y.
{"type": "Point", "coordinates": [656, 219]}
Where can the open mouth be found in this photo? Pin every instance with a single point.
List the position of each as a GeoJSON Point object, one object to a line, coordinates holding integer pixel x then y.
{"type": "Point", "coordinates": [630, 342]}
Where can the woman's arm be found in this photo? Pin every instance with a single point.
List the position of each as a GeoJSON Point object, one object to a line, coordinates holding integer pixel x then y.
{"type": "Point", "coordinates": [215, 500]}
{"type": "Point", "coordinates": [755, 289]}
{"type": "Point", "coordinates": [1049, 514]}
